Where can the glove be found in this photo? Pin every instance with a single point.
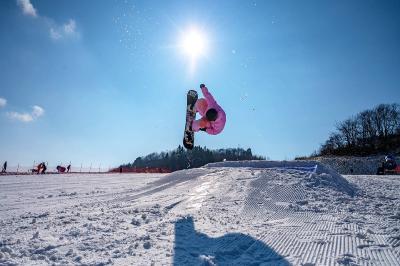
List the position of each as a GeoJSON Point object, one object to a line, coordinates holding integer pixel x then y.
{"type": "Point", "coordinates": [203, 129]}
{"type": "Point", "coordinates": [202, 85]}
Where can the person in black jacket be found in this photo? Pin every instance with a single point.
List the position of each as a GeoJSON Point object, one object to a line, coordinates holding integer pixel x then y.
{"type": "Point", "coordinates": [390, 162]}
{"type": "Point", "coordinates": [4, 170]}
{"type": "Point", "coordinates": [44, 168]}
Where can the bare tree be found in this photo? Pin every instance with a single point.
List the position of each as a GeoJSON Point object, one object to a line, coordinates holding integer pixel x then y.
{"type": "Point", "coordinates": [371, 131]}
{"type": "Point", "coordinates": [379, 115]}
{"type": "Point", "coordinates": [366, 122]}
{"type": "Point", "coordinates": [334, 143]}
{"type": "Point", "coordinates": [349, 130]}
{"type": "Point", "coordinates": [394, 118]}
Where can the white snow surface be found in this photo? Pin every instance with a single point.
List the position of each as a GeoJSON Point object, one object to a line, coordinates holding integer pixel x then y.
{"type": "Point", "coordinates": [231, 213]}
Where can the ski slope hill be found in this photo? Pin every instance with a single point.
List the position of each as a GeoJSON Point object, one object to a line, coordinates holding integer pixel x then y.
{"type": "Point", "coordinates": [230, 213]}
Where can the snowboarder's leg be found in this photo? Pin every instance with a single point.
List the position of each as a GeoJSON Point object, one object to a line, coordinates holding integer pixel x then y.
{"type": "Point", "coordinates": [196, 126]}
{"type": "Point", "coordinates": [199, 124]}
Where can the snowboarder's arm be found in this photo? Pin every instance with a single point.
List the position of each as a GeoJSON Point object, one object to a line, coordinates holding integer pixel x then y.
{"type": "Point", "coordinates": [207, 94]}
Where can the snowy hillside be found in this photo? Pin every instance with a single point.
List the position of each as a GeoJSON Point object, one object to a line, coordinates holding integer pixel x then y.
{"type": "Point", "coordinates": [232, 213]}
{"type": "Point", "coordinates": [359, 165]}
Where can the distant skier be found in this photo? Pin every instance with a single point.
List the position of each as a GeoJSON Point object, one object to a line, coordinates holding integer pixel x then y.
{"type": "Point", "coordinates": [68, 168]}
{"type": "Point", "coordinates": [4, 170]}
{"type": "Point", "coordinates": [44, 168]}
{"type": "Point", "coordinates": [390, 162]}
{"type": "Point", "coordinates": [213, 116]}
{"type": "Point", "coordinates": [41, 168]}
{"type": "Point", "coordinates": [60, 169]}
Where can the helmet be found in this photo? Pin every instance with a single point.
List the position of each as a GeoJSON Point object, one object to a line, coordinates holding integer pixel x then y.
{"type": "Point", "coordinates": [212, 114]}
{"type": "Point", "coordinates": [390, 162]}
{"type": "Point", "coordinates": [389, 158]}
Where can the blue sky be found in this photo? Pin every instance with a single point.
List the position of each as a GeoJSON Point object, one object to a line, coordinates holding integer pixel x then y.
{"type": "Point", "coordinates": [104, 82]}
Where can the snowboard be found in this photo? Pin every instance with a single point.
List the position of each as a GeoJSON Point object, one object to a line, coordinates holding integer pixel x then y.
{"type": "Point", "coordinates": [188, 137]}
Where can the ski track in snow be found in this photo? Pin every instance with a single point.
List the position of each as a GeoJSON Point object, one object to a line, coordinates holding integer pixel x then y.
{"type": "Point", "coordinates": [221, 214]}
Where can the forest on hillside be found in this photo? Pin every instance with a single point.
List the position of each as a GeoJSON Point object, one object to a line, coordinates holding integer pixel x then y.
{"type": "Point", "coordinates": [373, 131]}
{"type": "Point", "coordinates": [180, 158]}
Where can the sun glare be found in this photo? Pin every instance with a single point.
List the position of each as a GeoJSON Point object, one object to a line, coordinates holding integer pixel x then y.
{"type": "Point", "coordinates": [194, 43]}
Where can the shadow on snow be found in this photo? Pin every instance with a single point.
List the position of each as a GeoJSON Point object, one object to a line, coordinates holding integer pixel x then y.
{"type": "Point", "coordinates": [195, 248]}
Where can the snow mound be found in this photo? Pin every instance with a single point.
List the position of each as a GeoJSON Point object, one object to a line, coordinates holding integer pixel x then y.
{"type": "Point", "coordinates": [320, 175]}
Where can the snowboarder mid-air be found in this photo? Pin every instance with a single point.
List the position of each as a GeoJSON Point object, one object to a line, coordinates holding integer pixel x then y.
{"type": "Point", "coordinates": [213, 116]}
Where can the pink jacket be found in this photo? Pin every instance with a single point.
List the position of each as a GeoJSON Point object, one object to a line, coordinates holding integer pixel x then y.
{"type": "Point", "coordinates": [215, 127]}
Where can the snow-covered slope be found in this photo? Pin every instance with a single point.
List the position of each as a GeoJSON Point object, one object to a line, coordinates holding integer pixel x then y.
{"type": "Point", "coordinates": [232, 213]}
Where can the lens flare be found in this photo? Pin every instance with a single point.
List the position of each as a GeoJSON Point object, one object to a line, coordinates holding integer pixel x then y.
{"type": "Point", "coordinates": [194, 43]}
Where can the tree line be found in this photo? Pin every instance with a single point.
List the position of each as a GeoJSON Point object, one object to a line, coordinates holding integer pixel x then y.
{"type": "Point", "coordinates": [180, 158]}
{"type": "Point", "coordinates": [369, 132]}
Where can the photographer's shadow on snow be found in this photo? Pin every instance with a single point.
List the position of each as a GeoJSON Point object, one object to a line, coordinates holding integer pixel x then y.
{"type": "Point", "coordinates": [195, 248]}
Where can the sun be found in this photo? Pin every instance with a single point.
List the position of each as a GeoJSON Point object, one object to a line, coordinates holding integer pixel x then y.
{"type": "Point", "coordinates": [194, 43]}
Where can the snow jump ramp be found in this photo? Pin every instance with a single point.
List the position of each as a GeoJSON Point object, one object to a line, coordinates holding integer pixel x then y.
{"type": "Point", "coordinates": [294, 212]}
